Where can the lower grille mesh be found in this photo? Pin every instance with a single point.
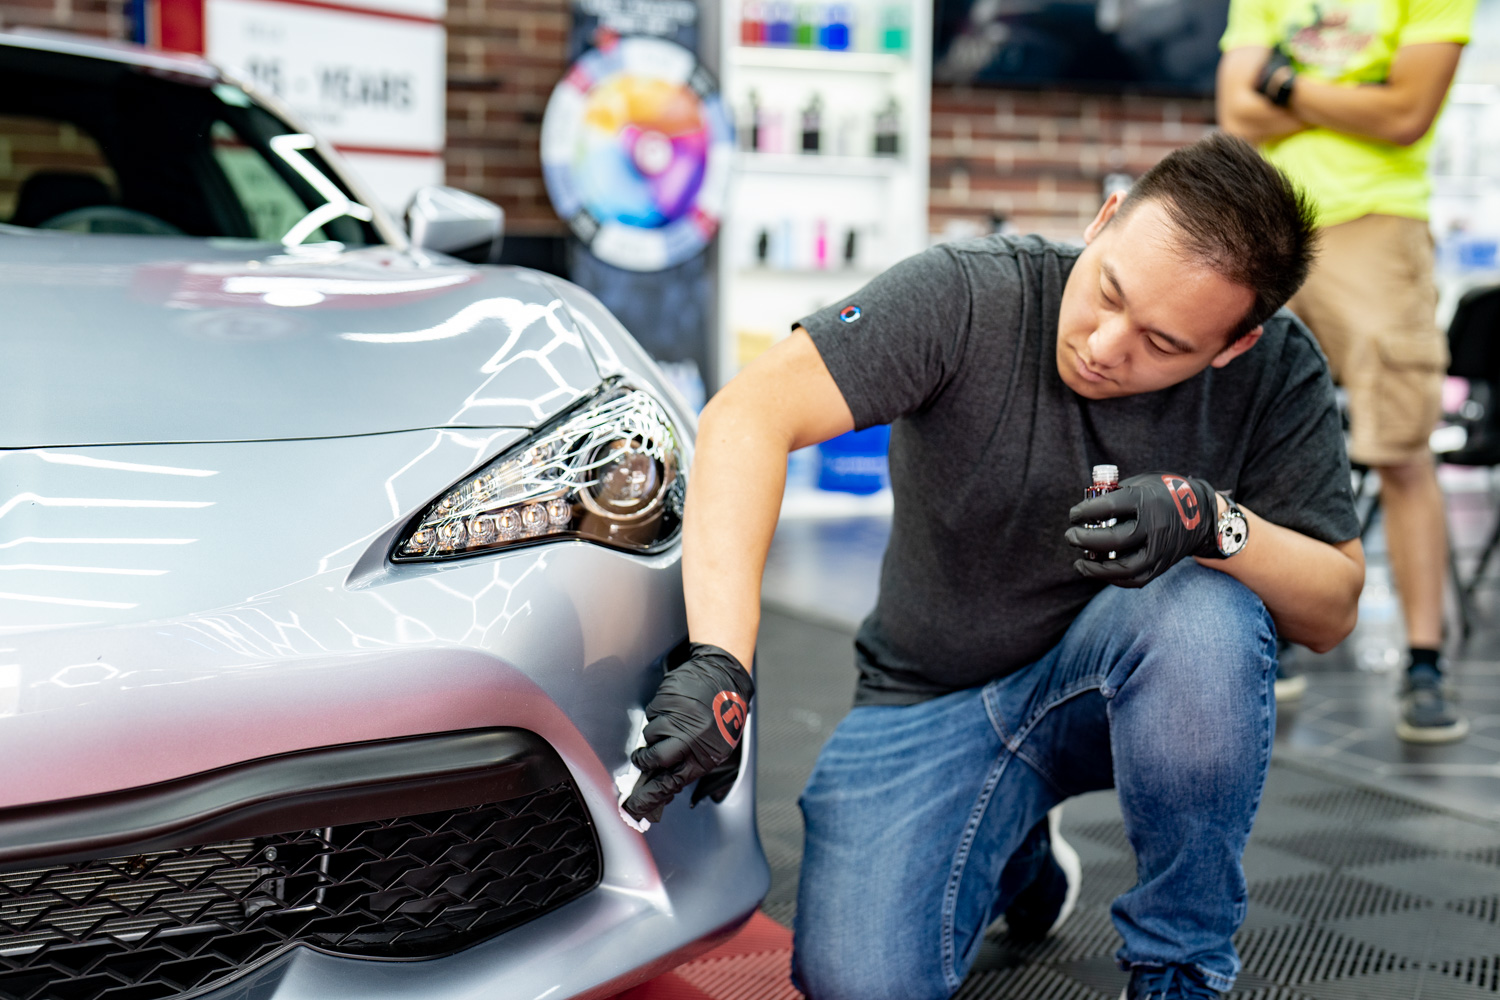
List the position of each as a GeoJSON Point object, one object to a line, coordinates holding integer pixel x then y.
{"type": "Point", "coordinates": [161, 925]}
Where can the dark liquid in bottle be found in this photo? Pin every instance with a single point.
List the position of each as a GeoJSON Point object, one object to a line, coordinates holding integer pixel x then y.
{"type": "Point", "coordinates": [1106, 480]}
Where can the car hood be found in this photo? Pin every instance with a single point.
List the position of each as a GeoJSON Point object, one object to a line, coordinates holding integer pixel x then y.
{"type": "Point", "coordinates": [132, 340]}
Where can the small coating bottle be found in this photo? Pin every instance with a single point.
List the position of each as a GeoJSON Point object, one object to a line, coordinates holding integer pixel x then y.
{"type": "Point", "coordinates": [1106, 480]}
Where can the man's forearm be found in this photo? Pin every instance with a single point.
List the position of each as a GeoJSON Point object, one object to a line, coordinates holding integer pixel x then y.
{"type": "Point", "coordinates": [1310, 587]}
{"type": "Point", "coordinates": [1372, 111]}
{"type": "Point", "coordinates": [1244, 111]}
{"type": "Point", "coordinates": [1400, 110]}
{"type": "Point", "coordinates": [738, 478]}
{"type": "Point", "coordinates": [1253, 118]}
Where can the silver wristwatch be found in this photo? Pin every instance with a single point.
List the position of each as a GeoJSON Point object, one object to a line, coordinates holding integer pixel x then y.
{"type": "Point", "coordinates": [1233, 530]}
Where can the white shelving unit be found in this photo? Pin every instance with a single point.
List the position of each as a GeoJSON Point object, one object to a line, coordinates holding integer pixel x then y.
{"type": "Point", "coordinates": [784, 202]}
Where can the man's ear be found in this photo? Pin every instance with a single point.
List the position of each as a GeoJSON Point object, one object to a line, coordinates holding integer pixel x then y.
{"type": "Point", "coordinates": [1239, 346]}
{"type": "Point", "coordinates": [1106, 212]}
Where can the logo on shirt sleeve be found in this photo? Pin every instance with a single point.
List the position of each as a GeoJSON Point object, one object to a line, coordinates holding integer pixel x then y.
{"type": "Point", "coordinates": [850, 313]}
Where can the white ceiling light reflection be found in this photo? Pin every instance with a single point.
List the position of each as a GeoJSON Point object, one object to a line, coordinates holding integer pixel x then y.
{"type": "Point", "coordinates": [23, 498]}
{"type": "Point", "coordinates": [274, 284]}
{"type": "Point", "coordinates": [292, 297]}
{"type": "Point", "coordinates": [515, 314]}
{"type": "Point", "coordinates": [35, 540]}
{"type": "Point", "coordinates": [67, 602]}
{"type": "Point", "coordinates": [10, 688]}
{"type": "Point", "coordinates": [64, 458]}
{"type": "Point", "coordinates": [85, 674]}
{"type": "Point", "coordinates": [106, 570]}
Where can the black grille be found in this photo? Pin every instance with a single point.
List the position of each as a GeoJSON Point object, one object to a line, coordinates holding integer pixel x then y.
{"type": "Point", "coordinates": [175, 922]}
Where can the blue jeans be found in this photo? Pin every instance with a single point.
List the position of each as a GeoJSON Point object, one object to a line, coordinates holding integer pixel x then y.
{"type": "Point", "coordinates": [923, 821]}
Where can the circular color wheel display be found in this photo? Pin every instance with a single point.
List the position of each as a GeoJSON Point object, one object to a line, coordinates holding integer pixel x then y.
{"type": "Point", "coordinates": [635, 151]}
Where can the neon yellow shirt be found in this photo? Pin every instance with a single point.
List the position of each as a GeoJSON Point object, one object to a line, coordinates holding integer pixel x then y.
{"type": "Point", "coordinates": [1350, 41]}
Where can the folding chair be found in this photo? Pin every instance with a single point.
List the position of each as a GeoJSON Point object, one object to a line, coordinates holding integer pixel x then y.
{"type": "Point", "coordinates": [1474, 343]}
{"type": "Point", "coordinates": [1474, 349]}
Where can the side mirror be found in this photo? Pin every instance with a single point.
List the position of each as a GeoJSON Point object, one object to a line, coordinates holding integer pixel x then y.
{"type": "Point", "coordinates": [456, 222]}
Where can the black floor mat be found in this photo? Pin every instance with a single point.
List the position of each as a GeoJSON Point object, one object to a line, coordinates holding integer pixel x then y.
{"type": "Point", "coordinates": [1354, 894]}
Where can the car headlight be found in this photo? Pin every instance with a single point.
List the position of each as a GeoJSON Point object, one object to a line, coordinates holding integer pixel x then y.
{"type": "Point", "coordinates": [609, 472]}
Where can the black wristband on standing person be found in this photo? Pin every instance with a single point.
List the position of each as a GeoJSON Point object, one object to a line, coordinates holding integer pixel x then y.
{"type": "Point", "coordinates": [1277, 78]}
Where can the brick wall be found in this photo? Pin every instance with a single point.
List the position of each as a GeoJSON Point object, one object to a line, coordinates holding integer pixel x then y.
{"type": "Point", "coordinates": [93, 17]}
{"type": "Point", "coordinates": [504, 57]}
{"type": "Point", "coordinates": [1040, 159]}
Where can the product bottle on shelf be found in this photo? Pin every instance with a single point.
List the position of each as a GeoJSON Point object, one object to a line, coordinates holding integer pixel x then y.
{"type": "Point", "coordinates": [820, 244]}
{"type": "Point", "coordinates": [812, 125]}
{"type": "Point", "coordinates": [895, 28]}
{"type": "Point", "coordinates": [752, 24]}
{"type": "Point", "coordinates": [807, 26]}
{"type": "Point", "coordinates": [782, 257]}
{"type": "Point", "coordinates": [850, 248]}
{"type": "Point", "coordinates": [770, 132]}
{"type": "Point", "coordinates": [835, 32]}
{"type": "Point", "coordinates": [779, 22]}
{"type": "Point", "coordinates": [888, 130]}
{"type": "Point", "coordinates": [749, 132]}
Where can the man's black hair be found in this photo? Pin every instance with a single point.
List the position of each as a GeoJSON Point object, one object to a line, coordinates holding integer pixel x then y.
{"type": "Point", "coordinates": [1237, 214]}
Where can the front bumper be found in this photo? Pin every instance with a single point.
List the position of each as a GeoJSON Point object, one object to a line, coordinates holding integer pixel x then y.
{"type": "Point", "coordinates": [159, 915]}
{"type": "Point", "coordinates": [136, 680]}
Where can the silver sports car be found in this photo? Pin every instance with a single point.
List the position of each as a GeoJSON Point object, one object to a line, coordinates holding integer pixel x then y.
{"type": "Point", "coordinates": [334, 573]}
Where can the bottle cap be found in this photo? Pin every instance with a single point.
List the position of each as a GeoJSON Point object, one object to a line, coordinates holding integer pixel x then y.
{"type": "Point", "coordinates": [1106, 474]}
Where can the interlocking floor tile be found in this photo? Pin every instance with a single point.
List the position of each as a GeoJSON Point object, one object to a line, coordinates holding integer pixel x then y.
{"type": "Point", "coordinates": [1428, 935]}
{"type": "Point", "coordinates": [1439, 879]}
{"type": "Point", "coordinates": [1356, 894]}
{"type": "Point", "coordinates": [1325, 897]}
{"type": "Point", "coordinates": [1265, 863]}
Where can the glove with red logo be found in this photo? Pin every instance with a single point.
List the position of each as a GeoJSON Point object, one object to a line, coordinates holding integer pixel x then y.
{"type": "Point", "coordinates": [692, 726]}
{"type": "Point", "coordinates": [1159, 520]}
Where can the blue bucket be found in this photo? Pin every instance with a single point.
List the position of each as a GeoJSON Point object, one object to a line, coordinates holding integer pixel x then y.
{"type": "Point", "coordinates": [856, 462]}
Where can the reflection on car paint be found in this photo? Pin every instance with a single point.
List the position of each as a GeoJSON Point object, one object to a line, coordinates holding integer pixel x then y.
{"type": "Point", "coordinates": [289, 148]}
{"type": "Point", "coordinates": [440, 345]}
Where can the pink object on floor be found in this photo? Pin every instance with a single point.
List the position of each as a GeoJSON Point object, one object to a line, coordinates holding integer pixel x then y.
{"type": "Point", "coordinates": [755, 964]}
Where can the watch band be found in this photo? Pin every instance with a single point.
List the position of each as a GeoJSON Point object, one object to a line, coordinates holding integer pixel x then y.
{"type": "Point", "coordinates": [1231, 531]}
{"type": "Point", "coordinates": [1282, 95]}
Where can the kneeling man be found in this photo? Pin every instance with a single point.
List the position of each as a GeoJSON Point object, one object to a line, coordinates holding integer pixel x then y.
{"type": "Point", "coordinates": [1027, 646]}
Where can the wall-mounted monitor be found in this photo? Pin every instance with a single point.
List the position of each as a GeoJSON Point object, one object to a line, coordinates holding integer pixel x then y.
{"type": "Point", "coordinates": [1149, 46]}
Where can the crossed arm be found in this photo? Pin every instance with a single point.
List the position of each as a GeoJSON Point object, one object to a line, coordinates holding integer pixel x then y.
{"type": "Point", "coordinates": [1399, 111]}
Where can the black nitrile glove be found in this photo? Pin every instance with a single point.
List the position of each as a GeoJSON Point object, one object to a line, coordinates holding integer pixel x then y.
{"type": "Point", "coordinates": [1159, 519]}
{"type": "Point", "coordinates": [1278, 59]}
{"type": "Point", "coordinates": [692, 726]}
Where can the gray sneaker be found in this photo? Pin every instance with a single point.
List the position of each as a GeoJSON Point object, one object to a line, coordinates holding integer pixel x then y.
{"type": "Point", "coordinates": [1291, 683]}
{"type": "Point", "coordinates": [1427, 712]}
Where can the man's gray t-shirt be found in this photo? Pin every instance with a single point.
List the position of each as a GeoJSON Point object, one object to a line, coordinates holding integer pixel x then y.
{"type": "Point", "coordinates": [956, 349]}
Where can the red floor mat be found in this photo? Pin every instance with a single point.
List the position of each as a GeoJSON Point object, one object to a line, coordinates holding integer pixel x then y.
{"type": "Point", "coordinates": [755, 964]}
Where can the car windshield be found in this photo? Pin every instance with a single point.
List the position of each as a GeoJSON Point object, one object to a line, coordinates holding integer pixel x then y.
{"type": "Point", "coordinates": [97, 146]}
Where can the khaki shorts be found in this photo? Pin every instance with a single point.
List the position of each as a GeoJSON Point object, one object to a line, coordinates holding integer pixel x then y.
{"type": "Point", "coordinates": [1372, 304]}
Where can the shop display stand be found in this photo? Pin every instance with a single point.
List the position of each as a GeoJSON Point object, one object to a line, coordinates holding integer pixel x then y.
{"type": "Point", "coordinates": [806, 228]}
{"type": "Point", "coordinates": [803, 229]}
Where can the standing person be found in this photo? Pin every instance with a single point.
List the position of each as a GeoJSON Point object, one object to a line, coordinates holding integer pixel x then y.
{"type": "Point", "coordinates": [1342, 95]}
{"type": "Point", "coordinates": [1000, 672]}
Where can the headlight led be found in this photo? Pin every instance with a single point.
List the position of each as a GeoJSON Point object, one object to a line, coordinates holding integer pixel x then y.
{"type": "Point", "coordinates": [609, 471]}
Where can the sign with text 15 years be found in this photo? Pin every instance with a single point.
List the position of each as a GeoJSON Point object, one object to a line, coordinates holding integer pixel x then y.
{"type": "Point", "coordinates": [371, 80]}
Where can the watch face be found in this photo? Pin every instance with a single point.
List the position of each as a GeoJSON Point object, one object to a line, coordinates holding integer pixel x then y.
{"type": "Point", "coordinates": [1232, 532]}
